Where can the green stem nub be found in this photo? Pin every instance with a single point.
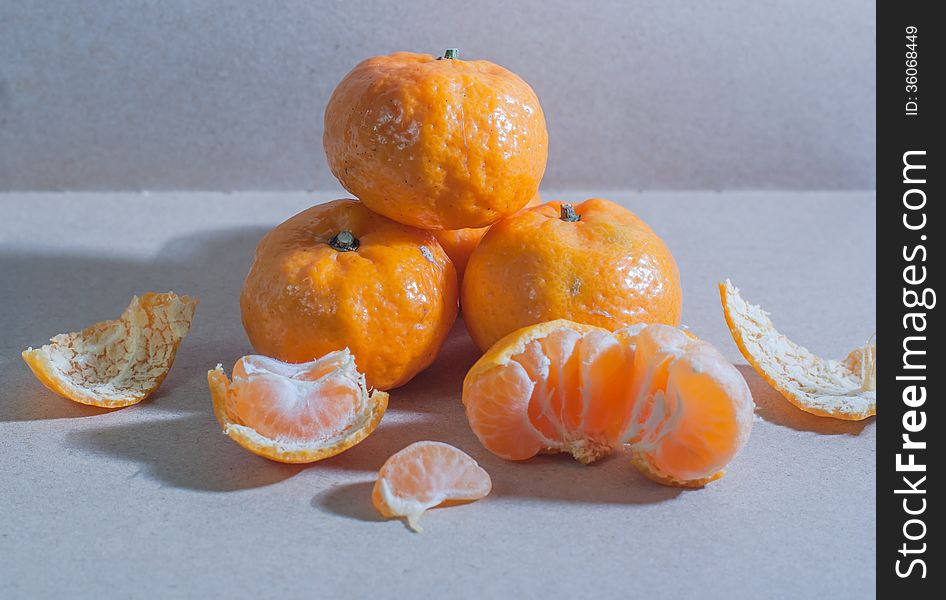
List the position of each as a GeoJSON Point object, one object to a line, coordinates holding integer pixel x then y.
{"type": "Point", "coordinates": [452, 53]}
{"type": "Point", "coordinates": [568, 213]}
{"type": "Point", "coordinates": [344, 241]}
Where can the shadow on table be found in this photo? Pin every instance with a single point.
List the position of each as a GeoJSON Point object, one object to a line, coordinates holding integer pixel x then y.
{"type": "Point", "coordinates": [556, 478]}
{"type": "Point", "coordinates": [187, 452]}
{"type": "Point", "coordinates": [350, 500]}
{"type": "Point", "coordinates": [173, 434]}
{"type": "Point", "coordinates": [181, 445]}
{"type": "Point", "coordinates": [430, 408]}
{"type": "Point", "coordinates": [48, 294]}
{"type": "Point", "coordinates": [771, 406]}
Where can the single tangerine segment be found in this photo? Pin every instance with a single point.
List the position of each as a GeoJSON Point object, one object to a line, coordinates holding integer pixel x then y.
{"type": "Point", "coordinates": [424, 475]}
{"type": "Point", "coordinates": [566, 387]}
{"type": "Point", "coordinates": [845, 389]}
{"type": "Point", "coordinates": [296, 413]}
{"type": "Point", "coordinates": [120, 362]}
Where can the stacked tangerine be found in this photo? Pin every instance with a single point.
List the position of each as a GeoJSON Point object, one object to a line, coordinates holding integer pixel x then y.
{"type": "Point", "coordinates": [445, 158]}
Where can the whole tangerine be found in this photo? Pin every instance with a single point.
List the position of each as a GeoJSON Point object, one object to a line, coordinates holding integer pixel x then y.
{"type": "Point", "coordinates": [339, 276]}
{"type": "Point", "coordinates": [595, 263]}
{"type": "Point", "coordinates": [437, 143]}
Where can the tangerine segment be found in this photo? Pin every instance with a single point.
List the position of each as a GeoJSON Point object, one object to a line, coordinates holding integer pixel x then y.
{"type": "Point", "coordinates": [424, 475]}
{"type": "Point", "coordinates": [116, 363]}
{"type": "Point", "coordinates": [296, 413]}
{"type": "Point", "coordinates": [841, 389]}
{"type": "Point", "coordinates": [557, 386]}
{"type": "Point", "coordinates": [567, 387]}
{"type": "Point", "coordinates": [690, 409]}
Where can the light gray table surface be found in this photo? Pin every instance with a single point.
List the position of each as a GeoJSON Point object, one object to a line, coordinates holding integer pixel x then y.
{"type": "Point", "coordinates": [154, 501]}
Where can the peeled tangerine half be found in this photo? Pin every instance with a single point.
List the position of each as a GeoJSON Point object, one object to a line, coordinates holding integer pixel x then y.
{"type": "Point", "coordinates": [424, 475]}
{"type": "Point", "coordinates": [120, 362]}
{"type": "Point", "coordinates": [565, 387]}
{"type": "Point", "coordinates": [844, 389]}
{"type": "Point", "coordinates": [296, 413]}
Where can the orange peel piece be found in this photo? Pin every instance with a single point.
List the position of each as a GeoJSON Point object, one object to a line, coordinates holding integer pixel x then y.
{"type": "Point", "coordinates": [845, 389]}
{"type": "Point", "coordinates": [296, 413]}
{"type": "Point", "coordinates": [424, 475]}
{"type": "Point", "coordinates": [116, 363]}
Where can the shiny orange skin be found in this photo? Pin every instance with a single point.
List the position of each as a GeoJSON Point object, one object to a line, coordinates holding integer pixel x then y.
{"type": "Point", "coordinates": [437, 144]}
{"type": "Point", "coordinates": [459, 244]}
{"type": "Point", "coordinates": [391, 302]}
{"type": "Point", "coordinates": [608, 269]}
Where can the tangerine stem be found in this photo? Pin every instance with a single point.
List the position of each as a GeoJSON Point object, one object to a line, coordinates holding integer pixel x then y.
{"type": "Point", "coordinates": [344, 241]}
{"type": "Point", "coordinates": [568, 213]}
{"type": "Point", "coordinates": [452, 53]}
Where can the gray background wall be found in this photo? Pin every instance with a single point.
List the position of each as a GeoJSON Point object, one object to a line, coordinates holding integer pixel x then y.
{"type": "Point", "coordinates": [228, 95]}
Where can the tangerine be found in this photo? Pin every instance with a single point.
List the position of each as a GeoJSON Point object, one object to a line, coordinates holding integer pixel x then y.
{"type": "Point", "coordinates": [341, 276]}
{"type": "Point", "coordinates": [436, 142]}
{"type": "Point", "coordinates": [595, 262]}
{"type": "Point", "coordinates": [568, 387]}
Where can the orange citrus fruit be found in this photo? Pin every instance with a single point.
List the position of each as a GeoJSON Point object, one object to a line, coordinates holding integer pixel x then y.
{"type": "Point", "coordinates": [460, 243]}
{"type": "Point", "coordinates": [424, 475]}
{"type": "Point", "coordinates": [340, 276]}
{"type": "Point", "coordinates": [594, 263]}
{"type": "Point", "coordinates": [296, 413]}
{"type": "Point", "coordinates": [119, 362]}
{"type": "Point", "coordinates": [567, 387]}
{"type": "Point", "coordinates": [845, 389]}
{"type": "Point", "coordinates": [436, 143]}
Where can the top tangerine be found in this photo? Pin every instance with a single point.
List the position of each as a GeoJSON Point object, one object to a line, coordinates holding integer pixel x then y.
{"type": "Point", "coordinates": [438, 143]}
